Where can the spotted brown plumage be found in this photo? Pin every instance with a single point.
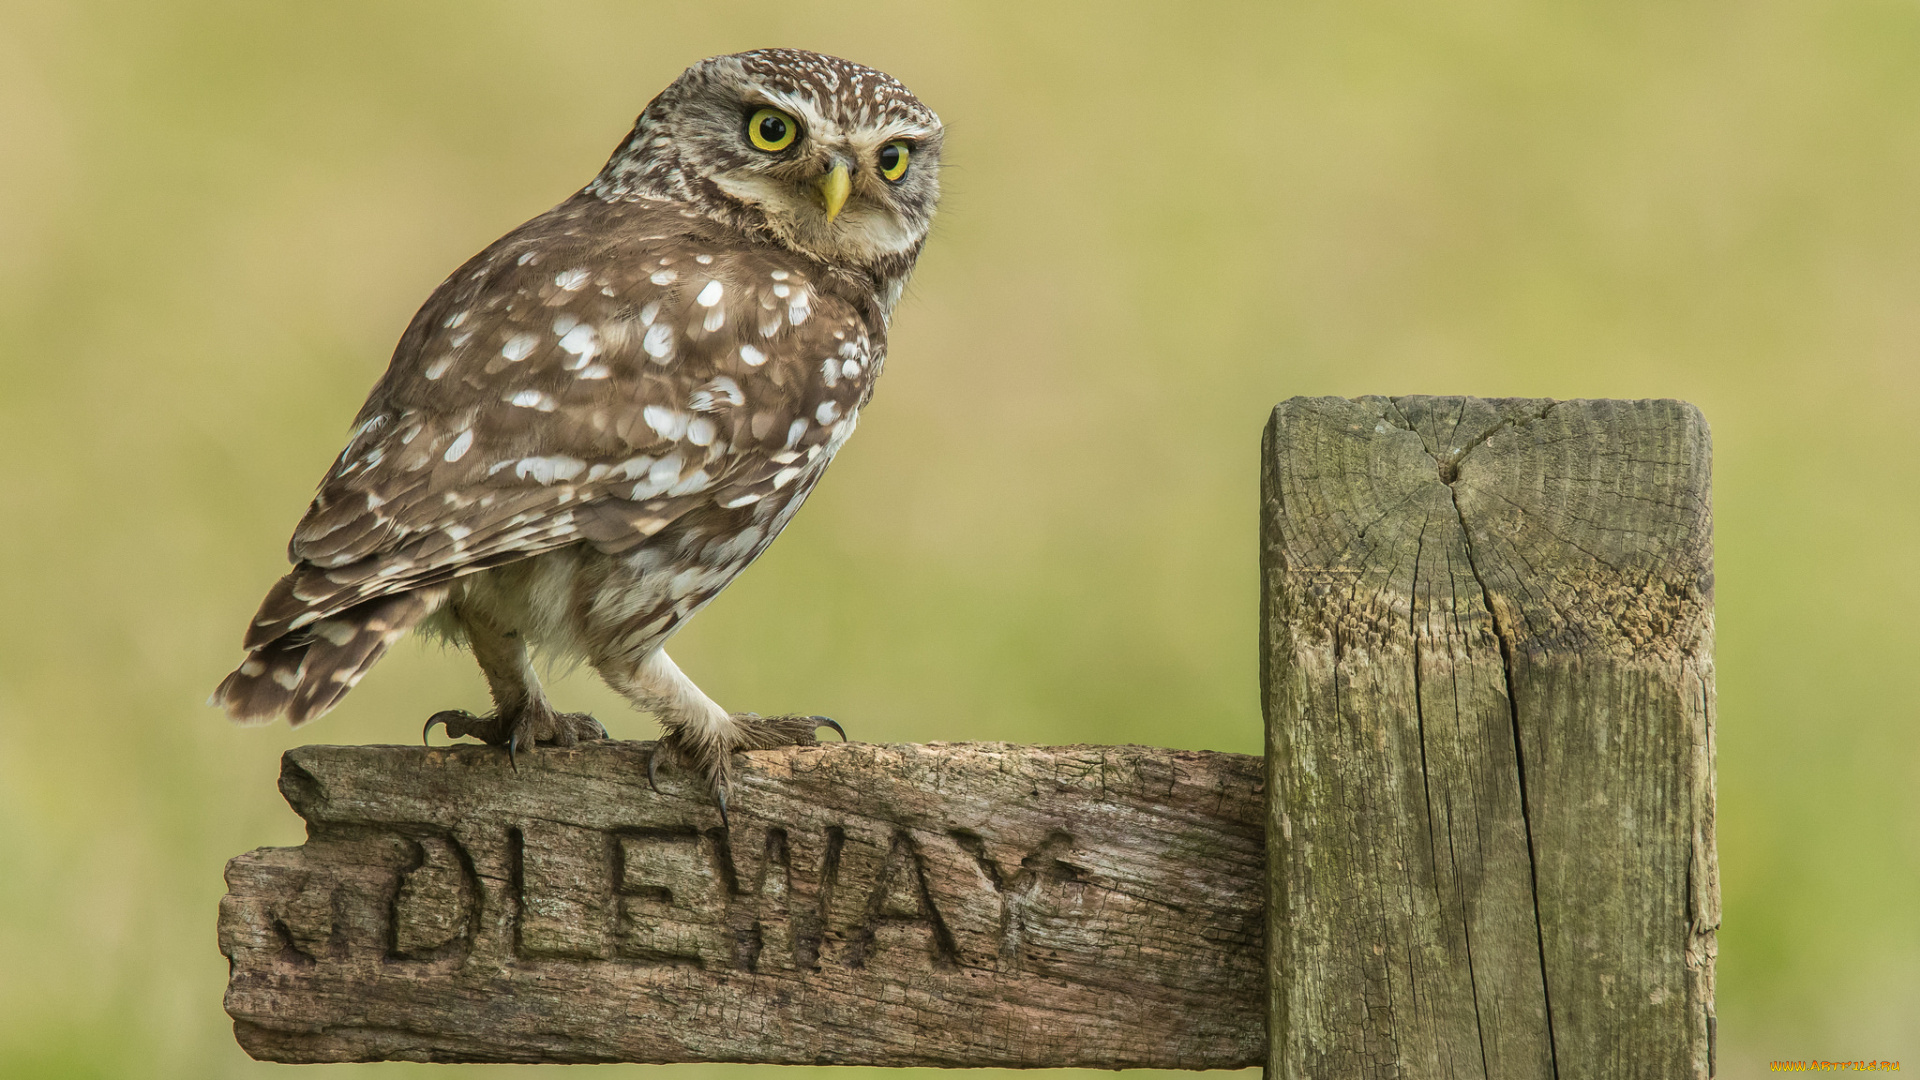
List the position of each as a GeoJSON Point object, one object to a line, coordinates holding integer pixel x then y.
{"type": "Point", "coordinates": [596, 423]}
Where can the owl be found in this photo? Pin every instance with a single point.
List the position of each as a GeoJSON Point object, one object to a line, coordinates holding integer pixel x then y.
{"type": "Point", "coordinates": [599, 421]}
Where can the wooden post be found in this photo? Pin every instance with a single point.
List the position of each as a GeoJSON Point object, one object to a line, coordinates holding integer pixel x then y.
{"type": "Point", "coordinates": [959, 904]}
{"type": "Point", "coordinates": [1488, 679]}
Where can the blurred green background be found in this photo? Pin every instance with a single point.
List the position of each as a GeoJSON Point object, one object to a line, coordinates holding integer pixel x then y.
{"type": "Point", "coordinates": [216, 217]}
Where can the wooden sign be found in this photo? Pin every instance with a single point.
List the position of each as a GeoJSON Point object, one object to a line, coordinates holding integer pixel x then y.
{"type": "Point", "coordinates": [961, 904]}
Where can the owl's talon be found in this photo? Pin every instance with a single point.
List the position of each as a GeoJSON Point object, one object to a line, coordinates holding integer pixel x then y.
{"type": "Point", "coordinates": [533, 725]}
{"type": "Point", "coordinates": [447, 718]}
{"type": "Point", "coordinates": [711, 755]}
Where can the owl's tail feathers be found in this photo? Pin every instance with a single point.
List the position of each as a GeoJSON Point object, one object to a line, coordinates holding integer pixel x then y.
{"type": "Point", "coordinates": [303, 675]}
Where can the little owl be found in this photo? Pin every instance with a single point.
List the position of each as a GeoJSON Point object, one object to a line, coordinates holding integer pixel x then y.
{"type": "Point", "coordinates": [596, 423]}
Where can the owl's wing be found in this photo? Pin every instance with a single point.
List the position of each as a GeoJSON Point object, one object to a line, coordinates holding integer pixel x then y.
{"type": "Point", "coordinates": [554, 392]}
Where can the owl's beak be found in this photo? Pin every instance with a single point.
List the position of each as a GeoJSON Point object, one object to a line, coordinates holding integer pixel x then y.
{"type": "Point", "coordinates": [834, 186]}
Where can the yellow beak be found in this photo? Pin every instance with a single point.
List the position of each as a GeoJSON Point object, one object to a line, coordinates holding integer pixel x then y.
{"type": "Point", "coordinates": [834, 187]}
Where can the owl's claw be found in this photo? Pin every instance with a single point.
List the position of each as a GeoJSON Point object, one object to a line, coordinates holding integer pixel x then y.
{"type": "Point", "coordinates": [533, 725]}
{"type": "Point", "coordinates": [448, 718]}
{"type": "Point", "coordinates": [713, 756]}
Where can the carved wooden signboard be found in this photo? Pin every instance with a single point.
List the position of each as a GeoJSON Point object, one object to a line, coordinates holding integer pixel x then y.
{"type": "Point", "coordinates": [960, 904]}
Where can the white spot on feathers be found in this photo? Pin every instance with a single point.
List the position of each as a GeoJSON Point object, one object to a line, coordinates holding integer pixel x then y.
{"type": "Point", "coordinates": [534, 399]}
{"type": "Point", "coordinates": [571, 280]}
{"type": "Point", "coordinates": [438, 367]}
{"type": "Point", "coordinates": [710, 295]}
{"type": "Point", "coordinates": [460, 445]}
{"type": "Point", "coordinates": [658, 343]}
{"type": "Point", "coordinates": [697, 481]}
{"type": "Point", "coordinates": [583, 342]}
{"type": "Point", "coordinates": [751, 356]}
{"type": "Point", "coordinates": [518, 347]}
{"type": "Point", "coordinates": [545, 470]}
{"type": "Point", "coordinates": [670, 423]}
{"type": "Point", "coordinates": [338, 631]}
{"type": "Point", "coordinates": [827, 412]}
{"type": "Point", "coordinates": [663, 475]}
{"type": "Point", "coordinates": [716, 393]}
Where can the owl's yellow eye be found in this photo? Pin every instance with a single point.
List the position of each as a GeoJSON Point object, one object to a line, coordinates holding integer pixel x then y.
{"type": "Point", "coordinates": [893, 159]}
{"type": "Point", "coordinates": [772, 130]}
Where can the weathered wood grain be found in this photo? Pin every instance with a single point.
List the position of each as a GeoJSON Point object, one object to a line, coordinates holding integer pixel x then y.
{"type": "Point", "coordinates": [958, 904]}
{"type": "Point", "coordinates": [1488, 634]}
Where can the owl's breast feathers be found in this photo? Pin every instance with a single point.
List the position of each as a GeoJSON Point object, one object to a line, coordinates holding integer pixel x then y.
{"type": "Point", "coordinates": [595, 375]}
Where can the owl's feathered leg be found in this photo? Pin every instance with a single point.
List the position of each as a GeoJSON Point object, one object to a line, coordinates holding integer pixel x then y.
{"type": "Point", "coordinates": [700, 735]}
{"type": "Point", "coordinates": [522, 716]}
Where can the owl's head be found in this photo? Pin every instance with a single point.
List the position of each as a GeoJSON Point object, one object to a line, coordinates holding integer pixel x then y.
{"type": "Point", "coordinates": [834, 159]}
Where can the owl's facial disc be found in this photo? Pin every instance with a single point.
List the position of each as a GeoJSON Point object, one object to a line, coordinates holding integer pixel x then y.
{"type": "Point", "coordinates": [833, 159]}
